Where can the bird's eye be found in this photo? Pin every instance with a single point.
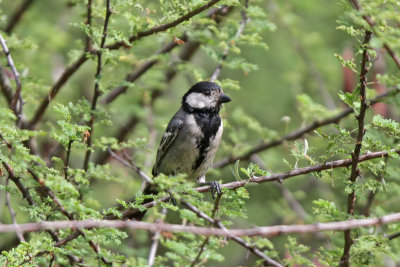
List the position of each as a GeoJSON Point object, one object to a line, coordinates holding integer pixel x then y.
{"type": "Point", "coordinates": [208, 92]}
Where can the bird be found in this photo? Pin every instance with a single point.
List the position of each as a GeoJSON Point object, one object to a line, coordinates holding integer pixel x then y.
{"type": "Point", "coordinates": [192, 137]}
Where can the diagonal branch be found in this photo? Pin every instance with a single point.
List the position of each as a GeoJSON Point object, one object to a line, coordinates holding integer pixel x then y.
{"type": "Point", "coordinates": [235, 238]}
{"type": "Point", "coordinates": [16, 17]}
{"type": "Point", "coordinates": [277, 177]}
{"type": "Point", "coordinates": [372, 23]}
{"type": "Point", "coordinates": [12, 214]}
{"type": "Point", "coordinates": [17, 95]}
{"type": "Point", "coordinates": [348, 241]}
{"type": "Point", "coordinates": [242, 25]}
{"type": "Point", "coordinates": [205, 242]}
{"type": "Point", "coordinates": [299, 132]}
{"type": "Point", "coordinates": [156, 239]}
{"type": "Point", "coordinates": [163, 27]}
{"type": "Point", "coordinates": [67, 214]}
{"type": "Point", "coordinates": [70, 70]}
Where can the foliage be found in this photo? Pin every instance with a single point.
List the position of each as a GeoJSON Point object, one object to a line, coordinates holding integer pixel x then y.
{"type": "Point", "coordinates": [282, 62]}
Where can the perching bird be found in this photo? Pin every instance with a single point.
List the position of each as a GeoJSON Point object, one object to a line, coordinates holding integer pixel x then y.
{"type": "Point", "coordinates": [193, 135]}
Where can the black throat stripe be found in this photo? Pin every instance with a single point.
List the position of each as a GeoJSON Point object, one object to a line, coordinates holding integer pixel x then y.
{"type": "Point", "coordinates": [209, 124]}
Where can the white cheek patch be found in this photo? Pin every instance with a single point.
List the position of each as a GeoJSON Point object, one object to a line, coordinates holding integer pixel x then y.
{"type": "Point", "coordinates": [197, 100]}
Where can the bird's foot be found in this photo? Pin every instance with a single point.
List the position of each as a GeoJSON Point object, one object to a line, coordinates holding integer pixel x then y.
{"type": "Point", "coordinates": [172, 199]}
{"type": "Point", "coordinates": [215, 188]}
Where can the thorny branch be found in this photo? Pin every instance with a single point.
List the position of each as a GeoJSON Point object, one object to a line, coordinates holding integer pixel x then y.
{"type": "Point", "coordinates": [235, 238]}
{"type": "Point", "coordinates": [28, 197]}
{"type": "Point", "coordinates": [163, 27]}
{"type": "Point", "coordinates": [12, 214]}
{"type": "Point", "coordinates": [67, 214]}
{"type": "Point", "coordinates": [129, 163]}
{"type": "Point", "coordinates": [205, 242]}
{"type": "Point", "coordinates": [299, 132]}
{"type": "Point", "coordinates": [16, 102]}
{"type": "Point", "coordinates": [70, 70]}
{"type": "Point", "coordinates": [372, 23]}
{"type": "Point", "coordinates": [97, 91]}
{"type": "Point", "coordinates": [156, 239]}
{"type": "Point", "coordinates": [348, 241]}
{"type": "Point", "coordinates": [277, 177]}
{"type": "Point", "coordinates": [88, 23]}
{"type": "Point", "coordinates": [242, 25]}
{"type": "Point", "coordinates": [265, 231]}
{"type": "Point", "coordinates": [16, 17]}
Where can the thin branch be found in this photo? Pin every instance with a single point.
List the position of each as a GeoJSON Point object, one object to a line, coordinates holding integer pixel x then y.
{"type": "Point", "coordinates": [28, 197]}
{"type": "Point", "coordinates": [67, 74]}
{"type": "Point", "coordinates": [138, 72]}
{"type": "Point", "coordinates": [262, 179]}
{"type": "Point", "coordinates": [16, 17]}
{"type": "Point", "coordinates": [17, 95]}
{"type": "Point", "coordinates": [156, 239]}
{"type": "Point", "coordinates": [242, 25]}
{"type": "Point", "coordinates": [67, 214]}
{"type": "Point", "coordinates": [372, 23]}
{"type": "Point", "coordinates": [299, 132]}
{"type": "Point", "coordinates": [265, 231]}
{"type": "Point", "coordinates": [67, 159]}
{"type": "Point", "coordinates": [131, 165]}
{"type": "Point", "coordinates": [12, 214]}
{"type": "Point", "coordinates": [70, 70]}
{"type": "Point", "coordinates": [234, 237]}
{"type": "Point", "coordinates": [277, 177]}
{"type": "Point", "coordinates": [163, 27]}
{"type": "Point", "coordinates": [88, 23]}
{"type": "Point", "coordinates": [205, 242]}
{"type": "Point", "coordinates": [97, 91]}
{"type": "Point", "coordinates": [5, 86]}
{"type": "Point", "coordinates": [348, 241]}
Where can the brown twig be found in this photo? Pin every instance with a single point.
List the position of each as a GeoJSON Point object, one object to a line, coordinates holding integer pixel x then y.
{"type": "Point", "coordinates": [348, 241]}
{"type": "Point", "coordinates": [265, 231]}
{"type": "Point", "coordinates": [97, 92]}
{"type": "Point", "coordinates": [28, 197]}
{"type": "Point", "coordinates": [5, 86]}
{"type": "Point", "coordinates": [242, 25]}
{"type": "Point", "coordinates": [205, 242]}
{"type": "Point", "coordinates": [372, 23]}
{"type": "Point", "coordinates": [164, 27]}
{"type": "Point", "coordinates": [277, 177]}
{"type": "Point", "coordinates": [88, 23]}
{"type": "Point", "coordinates": [67, 159]}
{"type": "Point", "coordinates": [234, 237]}
{"type": "Point", "coordinates": [70, 70]}
{"type": "Point", "coordinates": [299, 132]}
{"type": "Point", "coordinates": [66, 213]}
{"type": "Point", "coordinates": [65, 76]}
{"type": "Point", "coordinates": [129, 163]}
{"type": "Point", "coordinates": [16, 17]}
{"type": "Point", "coordinates": [17, 98]}
{"type": "Point", "coordinates": [12, 214]}
{"type": "Point", "coordinates": [156, 239]}
{"type": "Point", "coordinates": [262, 179]}
{"type": "Point", "coordinates": [138, 72]}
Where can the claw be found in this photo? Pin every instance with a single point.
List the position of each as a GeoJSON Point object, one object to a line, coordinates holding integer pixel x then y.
{"type": "Point", "coordinates": [215, 188]}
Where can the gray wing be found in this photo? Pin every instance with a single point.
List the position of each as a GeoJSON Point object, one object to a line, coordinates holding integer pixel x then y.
{"type": "Point", "coordinates": [168, 139]}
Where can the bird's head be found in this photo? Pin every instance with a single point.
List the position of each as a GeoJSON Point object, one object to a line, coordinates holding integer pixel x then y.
{"type": "Point", "coordinates": [204, 97]}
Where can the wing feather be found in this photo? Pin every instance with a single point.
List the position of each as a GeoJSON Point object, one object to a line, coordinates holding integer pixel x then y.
{"type": "Point", "coordinates": [167, 140]}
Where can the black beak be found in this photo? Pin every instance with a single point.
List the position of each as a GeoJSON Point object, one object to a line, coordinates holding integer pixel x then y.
{"type": "Point", "coordinates": [224, 98]}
